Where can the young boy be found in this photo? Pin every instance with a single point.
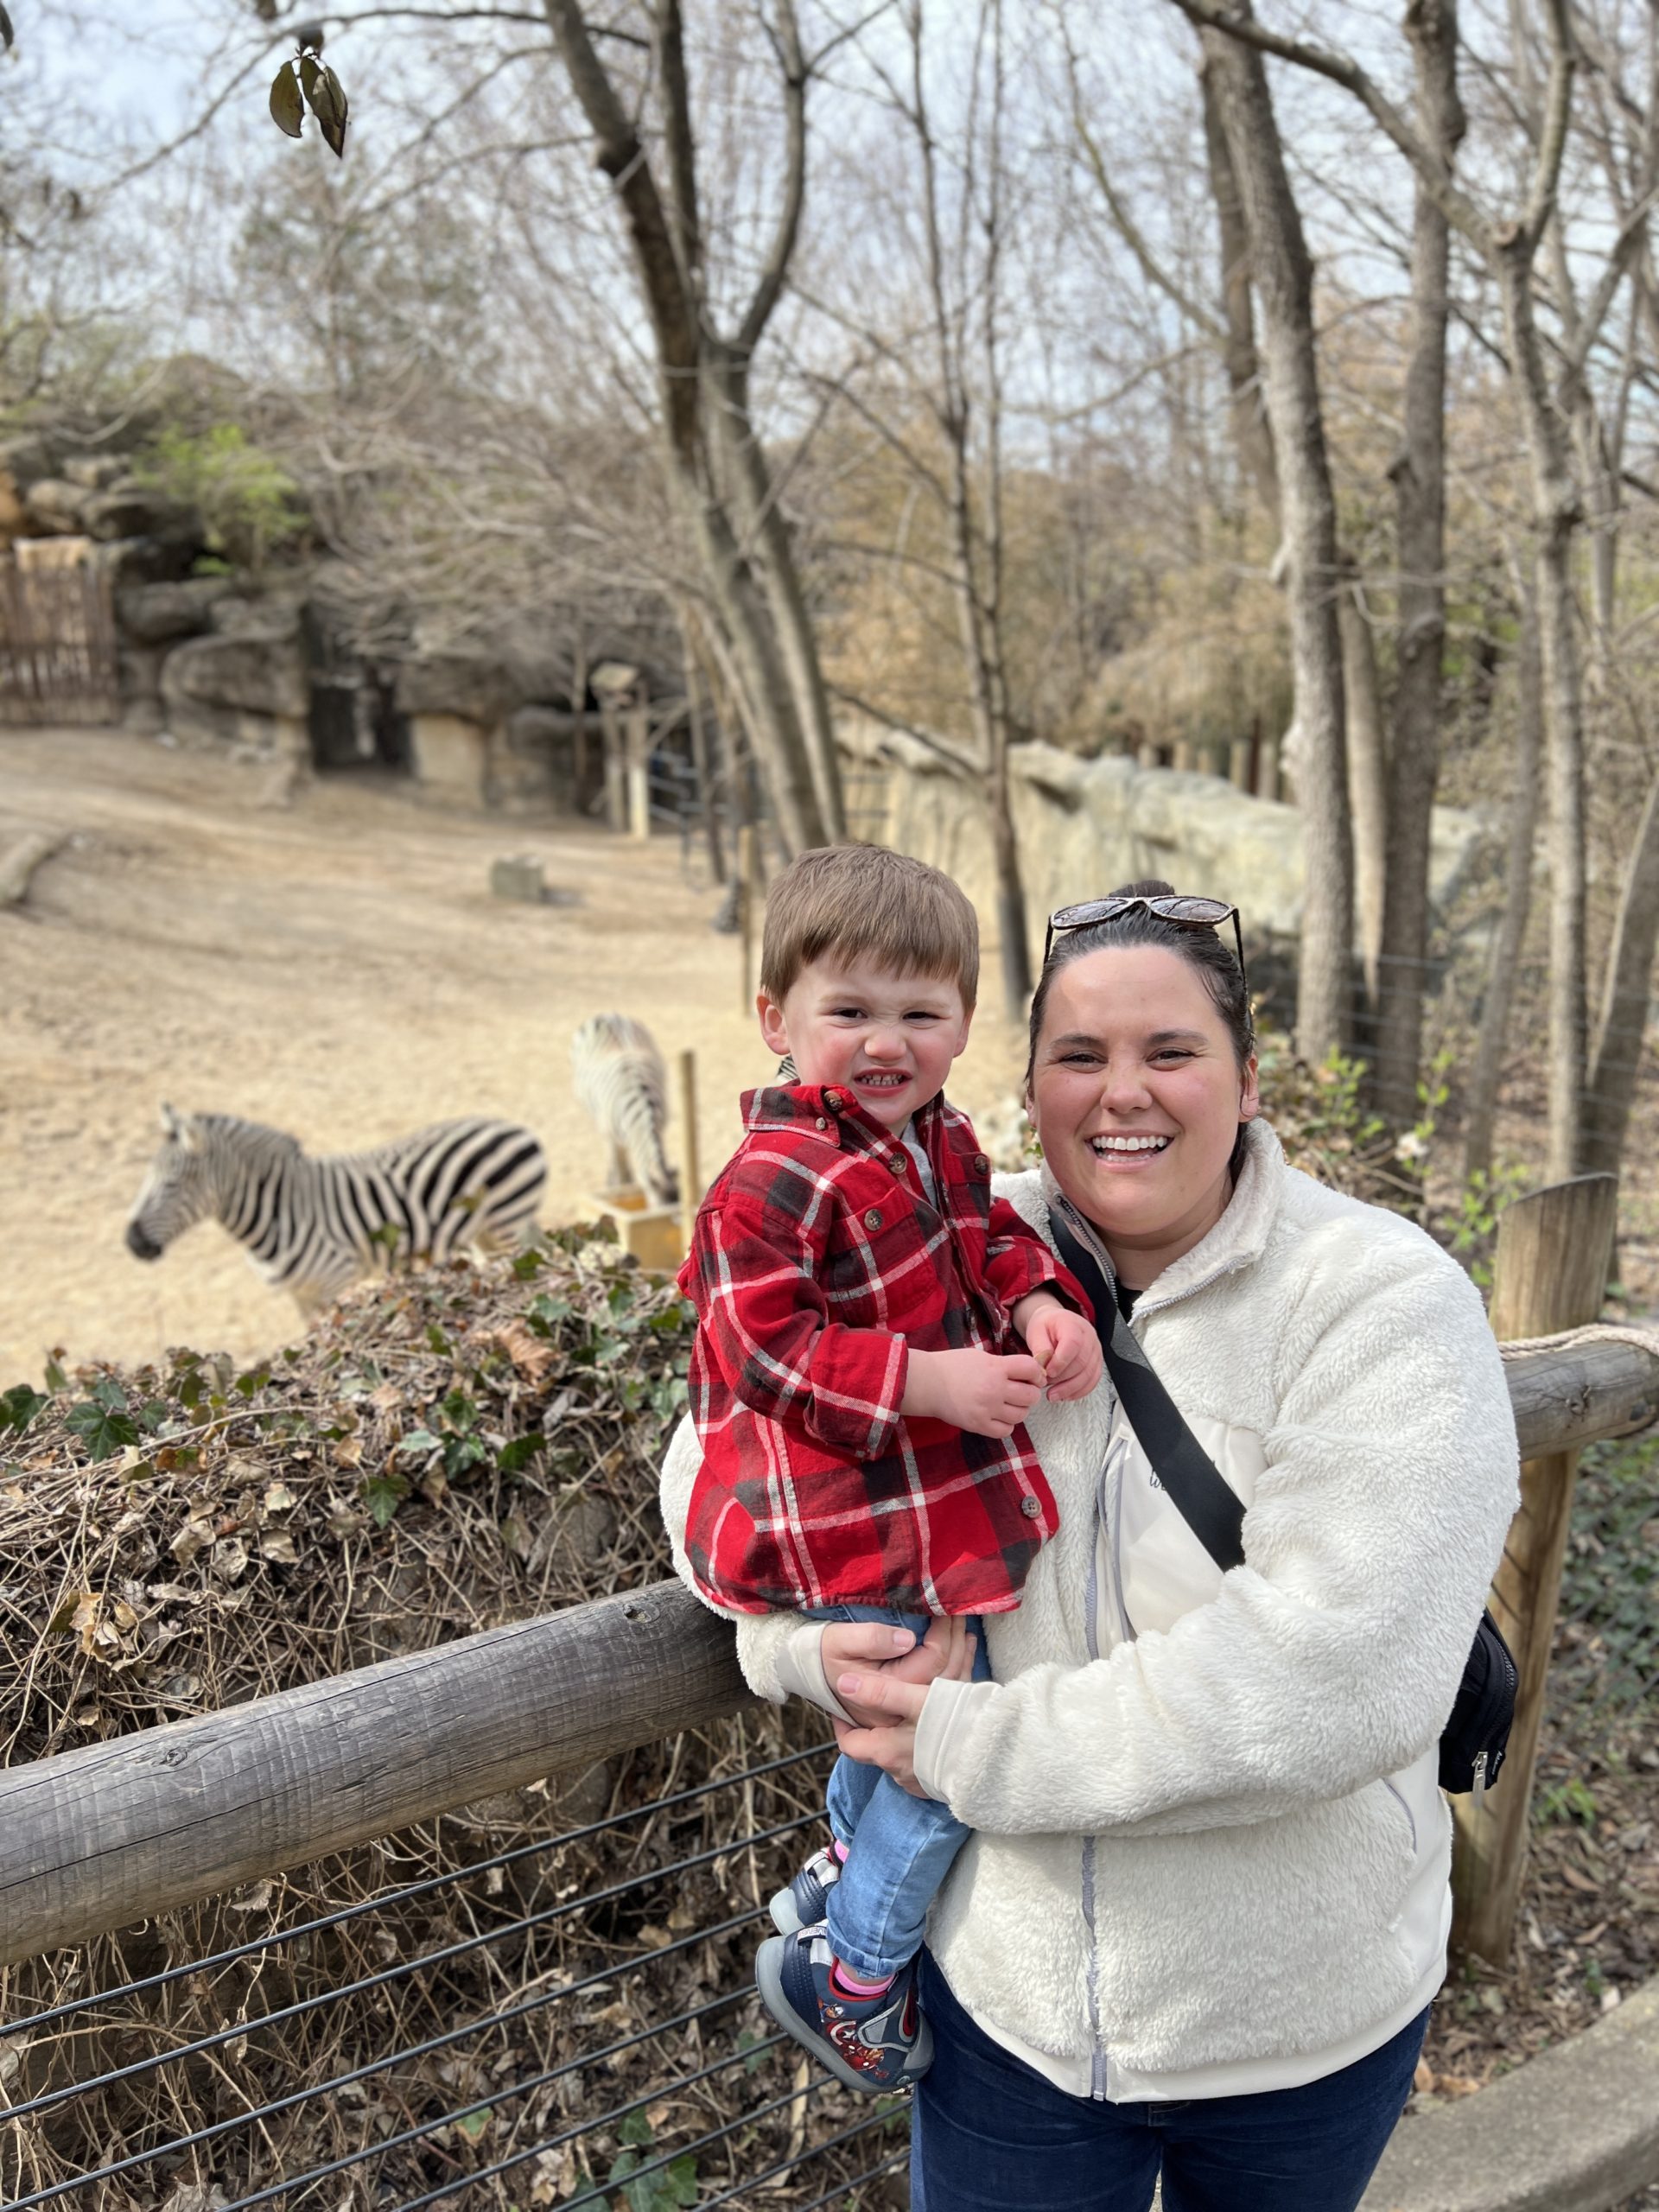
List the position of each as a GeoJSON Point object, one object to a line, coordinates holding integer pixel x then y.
{"type": "Point", "coordinates": [858, 1391]}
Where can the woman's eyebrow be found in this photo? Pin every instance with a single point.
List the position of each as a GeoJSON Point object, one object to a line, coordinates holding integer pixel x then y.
{"type": "Point", "coordinates": [1152, 1038]}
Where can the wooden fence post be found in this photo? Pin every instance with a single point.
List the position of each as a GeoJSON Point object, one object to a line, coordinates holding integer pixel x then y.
{"type": "Point", "coordinates": [637, 723]}
{"type": "Point", "coordinates": [690, 1174]}
{"type": "Point", "coordinates": [1554, 1248]}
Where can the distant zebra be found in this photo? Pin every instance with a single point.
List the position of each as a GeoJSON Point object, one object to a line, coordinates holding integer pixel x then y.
{"type": "Point", "coordinates": [311, 1226]}
{"type": "Point", "coordinates": [621, 1081]}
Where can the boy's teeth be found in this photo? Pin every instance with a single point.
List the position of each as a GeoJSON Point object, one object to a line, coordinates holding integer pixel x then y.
{"type": "Point", "coordinates": [1129, 1144]}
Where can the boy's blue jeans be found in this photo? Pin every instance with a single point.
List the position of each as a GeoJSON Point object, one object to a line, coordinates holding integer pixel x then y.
{"type": "Point", "coordinates": [899, 1848]}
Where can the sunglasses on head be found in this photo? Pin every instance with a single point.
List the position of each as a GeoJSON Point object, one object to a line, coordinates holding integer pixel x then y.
{"type": "Point", "coordinates": [1186, 913]}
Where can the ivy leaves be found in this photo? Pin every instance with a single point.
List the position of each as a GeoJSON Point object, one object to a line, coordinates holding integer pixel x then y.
{"type": "Point", "coordinates": [306, 82]}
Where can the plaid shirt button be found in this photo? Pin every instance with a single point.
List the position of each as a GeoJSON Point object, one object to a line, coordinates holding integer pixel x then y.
{"type": "Point", "coordinates": [897, 1164]}
{"type": "Point", "coordinates": [981, 1165]}
{"type": "Point", "coordinates": [823, 1124]}
{"type": "Point", "coordinates": [1031, 1506]}
{"type": "Point", "coordinates": [872, 1219]}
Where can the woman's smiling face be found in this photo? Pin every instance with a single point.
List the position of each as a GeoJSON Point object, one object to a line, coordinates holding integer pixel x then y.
{"type": "Point", "coordinates": [1137, 1097]}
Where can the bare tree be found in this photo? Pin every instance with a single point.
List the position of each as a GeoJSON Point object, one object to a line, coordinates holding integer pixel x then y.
{"type": "Point", "coordinates": [1510, 247]}
{"type": "Point", "coordinates": [1283, 275]}
{"type": "Point", "coordinates": [1274, 408]}
{"type": "Point", "coordinates": [760, 632]}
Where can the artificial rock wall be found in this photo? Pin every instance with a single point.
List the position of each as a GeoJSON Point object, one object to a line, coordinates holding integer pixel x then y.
{"type": "Point", "coordinates": [1085, 826]}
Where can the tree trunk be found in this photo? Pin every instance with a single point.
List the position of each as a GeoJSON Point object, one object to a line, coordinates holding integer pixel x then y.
{"type": "Point", "coordinates": [754, 502]}
{"type": "Point", "coordinates": [1555, 515]}
{"type": "Point", "coordinates": [1252, 435]}
{"type": "Point", "coordinates": [1284, 283]}
{"type": "Point", "coordinates": [1624, 1000]}
{"type": "Point", "coordinates": [1419, 477]}
{"type": "Point", "coordinates": [1482, 1111]}
{"type": "Point", "coordinates": [664, 238]}
{"type": "Point", "coordinates": [1367, 778]}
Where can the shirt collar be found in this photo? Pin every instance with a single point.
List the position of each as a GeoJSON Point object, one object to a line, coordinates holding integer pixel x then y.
{"type": "Point", "coordinates": [834, 1113]}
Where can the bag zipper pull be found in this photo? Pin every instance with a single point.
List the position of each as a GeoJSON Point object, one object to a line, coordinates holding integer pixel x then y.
{"type": "Point", "coordinates": [1480, 1780]}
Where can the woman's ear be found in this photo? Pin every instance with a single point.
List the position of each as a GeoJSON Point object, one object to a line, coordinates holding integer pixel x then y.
{"type": "Point", "coordinates": [1249, 1097]}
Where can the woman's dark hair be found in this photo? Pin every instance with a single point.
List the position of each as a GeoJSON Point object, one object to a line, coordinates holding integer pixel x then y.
{"type": "Point", "coordinates": [1203, 949]}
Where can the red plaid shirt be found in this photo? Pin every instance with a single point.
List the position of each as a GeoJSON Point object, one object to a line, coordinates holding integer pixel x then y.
{"type": "Point", "coordinates": [816, 1261]}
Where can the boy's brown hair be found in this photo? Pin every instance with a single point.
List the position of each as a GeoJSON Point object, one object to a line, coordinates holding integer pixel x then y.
{"type": "Point", "coordinates": [864, 902]}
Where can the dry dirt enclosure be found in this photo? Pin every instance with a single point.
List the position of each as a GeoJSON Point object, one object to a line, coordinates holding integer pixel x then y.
{"type": "Point", "coordinates": [336, 968]}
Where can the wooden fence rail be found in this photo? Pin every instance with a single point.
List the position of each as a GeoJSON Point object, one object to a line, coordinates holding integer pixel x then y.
{"type": "Point", "coordinates": [99, 1837]}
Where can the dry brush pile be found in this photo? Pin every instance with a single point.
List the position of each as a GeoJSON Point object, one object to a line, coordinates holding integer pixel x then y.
{"type": "Point", "coordinates": [448, 1452]}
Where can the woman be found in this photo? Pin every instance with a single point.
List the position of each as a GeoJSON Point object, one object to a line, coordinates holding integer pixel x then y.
{"type": "Point", "coordinates": [1204, 1907]}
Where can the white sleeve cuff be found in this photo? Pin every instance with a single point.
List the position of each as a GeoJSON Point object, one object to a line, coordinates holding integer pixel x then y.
{"type": "Point", "coordinates": [797, 1669]}
{"type": "Point", "coordinates": [941, 1733]}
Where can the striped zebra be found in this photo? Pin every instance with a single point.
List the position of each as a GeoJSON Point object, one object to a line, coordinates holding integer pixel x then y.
{"type": "Point", "coordinates": [311, 1226]}
{"type": "Point", "coordinates": [621, 1081]}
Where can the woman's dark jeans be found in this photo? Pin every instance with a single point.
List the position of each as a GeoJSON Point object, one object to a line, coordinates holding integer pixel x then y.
{"type": "Point", "coordinates": [990, 2135]}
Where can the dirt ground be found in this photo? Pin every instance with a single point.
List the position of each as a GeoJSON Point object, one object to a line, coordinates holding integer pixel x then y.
{"type": "Point", "coordinates": [336, 968]}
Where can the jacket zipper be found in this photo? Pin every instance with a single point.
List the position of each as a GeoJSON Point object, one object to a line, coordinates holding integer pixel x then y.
{"type": "Point", "coordinates": [1106, 1492]}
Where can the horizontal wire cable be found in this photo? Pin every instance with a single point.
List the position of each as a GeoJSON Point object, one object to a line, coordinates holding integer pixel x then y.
{"type": "Point", "coordinates": [785, 2164]}
{"type": "Point", "coordinates": [524, 2088]}
{"type": "Point", "coordinates": [651, 2166]}
{"type": "Point", "coordinates": [889, 2165]}
{"type": "Point", "coordinates": [387, 1974]}
{"type": "Point", "coordinates": [392, 1897]}
{"type": "Point", "coordinates": [279, 2105]}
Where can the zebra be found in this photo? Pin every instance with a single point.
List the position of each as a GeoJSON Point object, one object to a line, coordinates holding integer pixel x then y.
{"type": "Point", "coordinates": [621, 1081]}
{"type": "Point", "coordinates": [311, 1226]}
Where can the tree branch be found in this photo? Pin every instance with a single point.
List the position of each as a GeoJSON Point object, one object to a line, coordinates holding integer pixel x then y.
{"type": "Point", "coordinates": [775, 269]}
{"type": "Point", "coordinates": [1457, 207]}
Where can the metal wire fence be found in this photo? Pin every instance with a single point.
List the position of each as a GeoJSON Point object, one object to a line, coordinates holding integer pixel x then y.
{"type": "Point", "coordinates": [1605, 1659]}
{"type": "Point", "coordinates": [625, 2063]}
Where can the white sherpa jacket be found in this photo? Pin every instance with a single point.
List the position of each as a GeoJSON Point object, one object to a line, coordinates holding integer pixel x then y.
{"type": "Point", "coordinates": [1209, 1854]}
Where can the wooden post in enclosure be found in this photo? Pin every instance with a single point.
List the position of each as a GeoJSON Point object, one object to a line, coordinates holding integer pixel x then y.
{"type": "Point", "coordinates": [690, 1174]}
{"type": "Point", "coordinates": [1267, 768]}
{"type": "Point", "coordinates": [638, 725]}
{"type": "Point", "coordinates": [615, 796]}
{"type": "Point", "coordinates": [1554, 1248]}
{"type": "Point", "coordinates": [748, 875]}
{"type": "Point", "coordinates": [1146, 752]}
{"type": "Point", "coordinates": [1238, 764]}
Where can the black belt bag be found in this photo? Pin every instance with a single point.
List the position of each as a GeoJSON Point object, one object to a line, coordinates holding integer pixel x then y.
{"type": "Point", "coordinates": [1477, 1735]}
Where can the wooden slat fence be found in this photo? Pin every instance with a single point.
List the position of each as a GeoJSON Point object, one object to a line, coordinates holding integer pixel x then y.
{"type": "Point", "coordinates": [58, 652]}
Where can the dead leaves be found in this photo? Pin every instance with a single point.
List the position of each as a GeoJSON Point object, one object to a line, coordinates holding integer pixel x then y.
{"type": "Point", "coordinates": [531, 1355]}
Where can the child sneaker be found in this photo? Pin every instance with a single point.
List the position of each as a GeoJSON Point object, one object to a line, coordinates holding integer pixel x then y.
{"type": "Point", "coordinates": [872, 2044]}
{"type": "Point", "coordinates": [806, 1900]}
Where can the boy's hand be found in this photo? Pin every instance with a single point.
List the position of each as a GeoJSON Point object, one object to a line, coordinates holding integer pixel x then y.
{"type": "Point", "coordinates": [986, 1393]}
{"type": "Point", "coordinates": [1064, 1344]}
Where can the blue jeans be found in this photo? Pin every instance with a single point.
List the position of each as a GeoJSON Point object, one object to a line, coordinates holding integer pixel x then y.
{"type": "Point", "coordinates": [899, 1848]}
{"type": "Point", "coordinates": [990, 2132]}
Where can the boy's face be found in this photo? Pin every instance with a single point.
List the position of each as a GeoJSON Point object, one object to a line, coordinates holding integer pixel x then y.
{"type": "Point", "coordinates": [889, 1040]}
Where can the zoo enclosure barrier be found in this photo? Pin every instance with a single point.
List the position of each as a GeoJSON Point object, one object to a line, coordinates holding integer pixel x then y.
{"type": "Point", "coordinates": [102, 1837]}
{"type": "Point", "coordinates": [58, 653]}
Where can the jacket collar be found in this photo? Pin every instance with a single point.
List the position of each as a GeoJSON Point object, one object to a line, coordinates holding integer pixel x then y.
{"type": "Point", "coordinates": [823, 1108]}
{"type": "Point", "coordinates": [1237, 1240]}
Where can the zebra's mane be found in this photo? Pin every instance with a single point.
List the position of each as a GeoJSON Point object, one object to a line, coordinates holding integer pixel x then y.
{"type": "Point", "coordinates": [255, 1135]}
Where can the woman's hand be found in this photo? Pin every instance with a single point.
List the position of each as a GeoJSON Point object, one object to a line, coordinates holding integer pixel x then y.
{"type": "Point", "coordinates": [893, 1655]}
{"type": "Point", "coordinates": [890, 1741]}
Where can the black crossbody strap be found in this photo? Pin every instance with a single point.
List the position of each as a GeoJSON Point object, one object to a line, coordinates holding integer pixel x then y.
{"type": "Point", "coordinates": [1187, 1472]}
